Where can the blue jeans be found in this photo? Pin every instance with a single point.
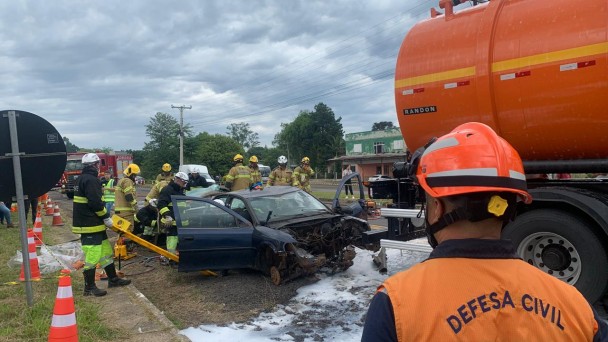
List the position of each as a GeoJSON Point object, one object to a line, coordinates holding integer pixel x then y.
{"type": "Point", "coordinates": [109, 206]}
{"type": "Point", "coordinates": [5, 213]}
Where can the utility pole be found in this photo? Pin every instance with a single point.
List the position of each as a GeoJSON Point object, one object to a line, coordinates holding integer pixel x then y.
{"type": "Point", "coordinates": [181, 132]}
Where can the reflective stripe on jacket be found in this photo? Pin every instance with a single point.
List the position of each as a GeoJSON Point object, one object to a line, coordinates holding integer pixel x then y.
{"type": "Point", "coordinates": [239, 176]}
{"type": "Point", "coordinates": [280, 176]}
{"type": "Point", "coordinates": [124, 188]}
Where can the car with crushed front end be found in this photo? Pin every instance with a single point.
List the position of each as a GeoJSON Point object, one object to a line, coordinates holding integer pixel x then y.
{"type": "Point", "coordinates": [279, 230]}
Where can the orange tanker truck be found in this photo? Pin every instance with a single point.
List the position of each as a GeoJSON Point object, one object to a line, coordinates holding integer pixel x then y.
{"type": "Point", "coordinates": [537, 72]}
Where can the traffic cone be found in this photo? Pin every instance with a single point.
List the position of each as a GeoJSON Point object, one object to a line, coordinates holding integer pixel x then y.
{"type": "Point", "coordinates": [49, 208]}
{"type": "Point", "coordinates": [38, 229]}
{"type": "Point", "coordinates": [31, 248]}
{"type": "Point", "coordinates": [57, 221]}
{"type": "Point", "coordinates": [13, 207]}
{"type": "Point", "coordinates": [63, 324]}
{"type": "Point", "coordinates": [42, 201]}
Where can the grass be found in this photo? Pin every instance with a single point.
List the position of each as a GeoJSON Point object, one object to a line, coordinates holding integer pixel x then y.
{"type": "Point", "coordinates": [20, 322]}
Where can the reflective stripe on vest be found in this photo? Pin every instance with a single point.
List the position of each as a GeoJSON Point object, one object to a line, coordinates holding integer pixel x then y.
{"type": "Point", "coordinates": [108, 196]}
{"type": "Point", "coordinates": [79, 199]}
{"type": "Point", "coordinates": [91, 229]}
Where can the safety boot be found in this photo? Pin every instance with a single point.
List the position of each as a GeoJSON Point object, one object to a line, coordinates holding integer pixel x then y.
{"type": "Point", "coordinates": [90, 289]}
{"type": "Point", "coordinates": [113, 279]}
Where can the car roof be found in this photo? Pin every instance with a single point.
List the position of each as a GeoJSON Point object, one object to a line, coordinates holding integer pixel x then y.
{"type": "Point", "coordinates": [276, 190]}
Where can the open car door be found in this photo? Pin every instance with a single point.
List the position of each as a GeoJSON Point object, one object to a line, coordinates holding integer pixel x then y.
{"type": "Point", "coordinates": [356, 208]}
{"type": "Point", "coordinates": [211, 236]}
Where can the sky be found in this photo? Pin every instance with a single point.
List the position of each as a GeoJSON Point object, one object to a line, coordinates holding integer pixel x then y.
{"type": "Point", "coordinates": [99, 71]}
{"type": "Point", "coordinates": [344, 297]}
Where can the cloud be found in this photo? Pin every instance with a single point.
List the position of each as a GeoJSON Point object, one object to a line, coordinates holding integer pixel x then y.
{"type": "Point", "coordinates": [99, 71]}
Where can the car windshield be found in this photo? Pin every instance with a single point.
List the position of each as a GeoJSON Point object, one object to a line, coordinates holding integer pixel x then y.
{"type": "Point", "coordinates": [286, 206]}
{"type": "Point", "coordinates": [72, 165]}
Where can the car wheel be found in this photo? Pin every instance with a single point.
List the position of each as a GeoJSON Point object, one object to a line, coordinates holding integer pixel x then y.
{"type": "Point", "coordinates": [275, 275]}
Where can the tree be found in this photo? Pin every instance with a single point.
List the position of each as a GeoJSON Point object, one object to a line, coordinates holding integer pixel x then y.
{"type": "Point", "coordinates": [69, 147]}
{"type": "Point", "coordinates": [163, 147]}
{"type": "Point", "coordinates": [382, 126]}
{"type": "Point", "coordinates": [216, 152]}
{"type": "Point", "coordinates": [241, 133]}
{"type": "Point", "coordinates": [312, 134]}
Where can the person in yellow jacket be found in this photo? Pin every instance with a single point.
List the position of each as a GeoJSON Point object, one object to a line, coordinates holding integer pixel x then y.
{"type": "Point", "coordinates": [155, 191]}
{"type": "Point", "coordinates": [474, 286]}
{"type": "Point", "coordinates": [165, 174]}
{"type": "Point", "coordinates": [302, 175]}
{"type": "Point", "coordinates": [108, 190]}
{"type": "Point", "coordinates": [282, 174]}
{"type": "Point", "coordinates": [239, 176]}
{"type": "Point", "coordinates": [256, 176]}
{"type": "Point", "coordinates": [126, 195]}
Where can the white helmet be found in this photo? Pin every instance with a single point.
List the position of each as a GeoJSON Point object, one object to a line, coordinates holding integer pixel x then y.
{"type": "Point", "coordinates": [196, 169]}
{"type": "Point", "coordinates": [182, 175]}
{"type": "Point", "coordinates": [282, 160]}
{"type": "Point", "coordinates": [153, 202]}
{"type": "Point", "coordinates": [90, 158]}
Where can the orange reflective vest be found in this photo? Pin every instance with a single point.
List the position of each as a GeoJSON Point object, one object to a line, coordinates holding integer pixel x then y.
{"type": "Point", "coordinates": [477, 290]}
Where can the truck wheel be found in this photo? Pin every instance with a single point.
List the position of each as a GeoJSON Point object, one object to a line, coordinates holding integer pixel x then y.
{"type": "Point", "coordinates": [564, 246]}
{"type": "Point", "coordinates": [70, 195]}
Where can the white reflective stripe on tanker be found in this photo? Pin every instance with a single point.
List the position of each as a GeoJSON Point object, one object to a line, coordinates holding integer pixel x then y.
{"type": "Point", "coordinates": [64, 292]}
{"type": "Point", "coordinates": [485, 172]}
{"type": "Point", "coordinates": [62, 321]}
{"type": "Point", "coordinates": [448, 142]}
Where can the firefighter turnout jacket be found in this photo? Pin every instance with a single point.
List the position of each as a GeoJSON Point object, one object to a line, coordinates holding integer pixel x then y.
{"type": "Point", "coordinates": [88, 209]}
{"type": "Point", "coordinates": [167, 213]}
{"type": "Point", "coordinates": [280, 176]}
{"type": "Point", "coordinates": [301, 177]}
{"type": "Point", "coordinates": [479, 290]}
{"type": "Point", "coordinates": [146, 217]}
{"type": "Point", "coordinates": [126, 195]}
{"type": "Point", "coordinates": [155, 190]}
{"type": "Point", "coordinates": [164, 177]}
{"type": "Point", "coordinates": [239, 177]}
{"type": "Point", "coordinates": [196, 182]}
{"type": "Point", "coordinates": [256, 176]}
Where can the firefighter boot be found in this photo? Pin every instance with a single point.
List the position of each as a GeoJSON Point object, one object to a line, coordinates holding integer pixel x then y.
{"type": "Point", "coordinates": [89, 284]}
{"type": "Point", "coordinates": [113, 279]}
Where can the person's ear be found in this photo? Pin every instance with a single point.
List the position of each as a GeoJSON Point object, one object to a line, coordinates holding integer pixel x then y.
{"type": "Point", "coordinates": [435, 210]}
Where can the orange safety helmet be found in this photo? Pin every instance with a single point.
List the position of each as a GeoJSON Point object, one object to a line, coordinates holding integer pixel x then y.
{"type": "Point", "coordinates": [471, 159]}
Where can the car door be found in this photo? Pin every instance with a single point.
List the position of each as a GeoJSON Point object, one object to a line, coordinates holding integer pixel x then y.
{"type": "Point", "coordinates": [357, 208]}
{"type": "Point", "coordinates": [211, 236]}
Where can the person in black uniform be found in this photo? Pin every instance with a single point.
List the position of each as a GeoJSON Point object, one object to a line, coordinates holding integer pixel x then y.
{"type": "Point", "coordinates": [196, 180]}
{"type": "Point", "coordinates": [146, 220]}
{"type": "Point", "coordinates": [166, 211]}
{"type": "Point", "coordinates": [90, 219]}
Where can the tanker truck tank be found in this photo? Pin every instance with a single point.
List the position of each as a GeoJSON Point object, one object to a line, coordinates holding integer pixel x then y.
{"type": "Point", "coordinates": [535, 71]}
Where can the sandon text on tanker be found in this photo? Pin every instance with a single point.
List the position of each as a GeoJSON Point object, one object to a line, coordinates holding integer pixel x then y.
{"type": "Point", "coordinates": [31, 249]}
{"type": "Point", "coordinates": [63, 324]}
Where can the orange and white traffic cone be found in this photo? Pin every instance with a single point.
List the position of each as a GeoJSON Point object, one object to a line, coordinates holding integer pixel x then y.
{"type": "Point", "coordinates": [31, 249]}
{"type": "Point", "coordinates": [13, 207]}
{"type": "Point", "coordinates": [57, 221]}
{"type": "Point", "coordinates": [49, 208]}
{"type": "Point", "coordinates": [63, 324]}
{"type": "Point", "coordinates": [38, 229]}
{"type": "Point", "coordinates": [42, 201]}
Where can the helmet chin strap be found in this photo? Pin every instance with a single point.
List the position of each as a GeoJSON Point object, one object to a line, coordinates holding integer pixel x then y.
{"type": "Point", "coordinates": [444, 221]}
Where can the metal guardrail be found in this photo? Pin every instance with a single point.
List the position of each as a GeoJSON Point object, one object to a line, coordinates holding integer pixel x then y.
{"type": "Point", "coordinates": [405, 245]}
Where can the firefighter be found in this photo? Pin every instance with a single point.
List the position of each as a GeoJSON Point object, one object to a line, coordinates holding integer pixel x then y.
{"type": "Point", "coordinates": [474, 286]}
{"type": "Point", "coordinates": [239, 176]}
{"type": "Point", "coordinates": [146, 220]}
{"type": "Point", "coordinates": [256, 176]}
{"type": "Point", "coordinates": [282, 174]}
{"type": "Point", "coordinates": [155, 191]}
{"type": "Point", "coordinates": [166, 210]}
{"type": "Point", "coordinates": [165, 174]}
{"type": "Point", "coordinates": [196, 180]}
{"type": "Point", "coordinates": [302, 175]}
{"type": "Point", "coordinates": [90, 219]}
{"type": "Point", "coordinates": [126, 195]}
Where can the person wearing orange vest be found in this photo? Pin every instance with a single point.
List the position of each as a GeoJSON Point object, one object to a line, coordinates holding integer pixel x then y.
{"type": "Point", "coordinates": [474, 286]}
{"type": "Point", "coordinates": [239, 176]}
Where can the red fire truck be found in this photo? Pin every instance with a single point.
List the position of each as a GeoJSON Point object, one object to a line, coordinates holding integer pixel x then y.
{"type": "Point", "coordinates": [115, 162]}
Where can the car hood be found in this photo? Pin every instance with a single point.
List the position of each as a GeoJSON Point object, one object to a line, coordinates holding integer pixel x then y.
{"type": "Point", "coordinates": [277, 224]}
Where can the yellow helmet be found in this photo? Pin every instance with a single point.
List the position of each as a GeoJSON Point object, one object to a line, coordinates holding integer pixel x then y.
{"type": "Point", "coordinates": [166, 167]}
{"type": "Point", "coordinates": [305, 160]}
{"type": "Point", "coordinates": [238, 157]}
{"type": "Point", "coordinates": [253, 159]}
{"type": "Point", "coordinates": [131, 170]}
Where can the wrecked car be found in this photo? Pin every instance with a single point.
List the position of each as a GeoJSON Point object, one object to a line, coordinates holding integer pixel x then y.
{"type": "Point", "coordinates": [279, 230]}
